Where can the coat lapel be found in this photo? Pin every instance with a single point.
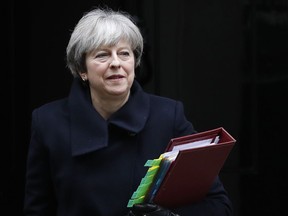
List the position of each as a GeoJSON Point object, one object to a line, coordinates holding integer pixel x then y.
{"type": "Point", "coordinates": [89, 131]}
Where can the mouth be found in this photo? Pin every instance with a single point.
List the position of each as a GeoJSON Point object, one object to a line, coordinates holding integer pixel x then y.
{"type": "Point", "coordinates": [115, 77]}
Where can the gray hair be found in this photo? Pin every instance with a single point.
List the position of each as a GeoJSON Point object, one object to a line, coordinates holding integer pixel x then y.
{"type": "Point", "coordinates": [101, 27]}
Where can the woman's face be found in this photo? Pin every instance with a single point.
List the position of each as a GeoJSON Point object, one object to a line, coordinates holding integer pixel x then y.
{"type": "Point", "coordinates": [110, 70]}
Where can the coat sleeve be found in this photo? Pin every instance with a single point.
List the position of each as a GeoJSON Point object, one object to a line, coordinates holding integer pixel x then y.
{"type": "Point", "coordinates": [182, 125]}
{"type": "Point", "coordinates": [217, 201]}
{"type": "Point", "coordinates": [38, 186]}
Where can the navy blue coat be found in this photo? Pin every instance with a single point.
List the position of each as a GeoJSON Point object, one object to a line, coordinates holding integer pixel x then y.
{"type": "Point", "coordinates": [82, 165]}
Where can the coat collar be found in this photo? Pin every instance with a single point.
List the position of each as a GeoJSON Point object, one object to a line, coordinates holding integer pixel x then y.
{"type": "Point", "coordinates": [89, 131]}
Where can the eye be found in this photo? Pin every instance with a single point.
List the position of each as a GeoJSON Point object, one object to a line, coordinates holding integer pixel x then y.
{"type": "Point", "coordinates": [124, 53]}
{"type": "Point", "coordinates": [101, 55]}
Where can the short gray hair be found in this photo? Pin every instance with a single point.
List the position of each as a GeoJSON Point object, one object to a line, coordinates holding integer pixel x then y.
{"type": "Point", "coordinates": [101, 27]}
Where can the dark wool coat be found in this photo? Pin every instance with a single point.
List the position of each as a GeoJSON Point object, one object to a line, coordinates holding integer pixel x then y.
{"type": "Point", "coordinates": [82, 165]}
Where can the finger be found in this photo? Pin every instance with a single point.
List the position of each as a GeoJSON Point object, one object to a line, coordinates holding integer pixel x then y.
{"type": "Point", "coordinates": [146, 207]}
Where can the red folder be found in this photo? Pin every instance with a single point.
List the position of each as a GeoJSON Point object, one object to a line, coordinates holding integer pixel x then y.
{"type": "Point", "coordinates": [191, 175]}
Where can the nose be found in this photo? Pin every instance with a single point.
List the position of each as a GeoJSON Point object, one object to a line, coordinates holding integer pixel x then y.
{"type": "Point", "coordinates": [115, 62]}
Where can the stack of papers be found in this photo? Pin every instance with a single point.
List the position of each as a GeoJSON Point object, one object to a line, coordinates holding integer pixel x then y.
{"type": "Point", "coordinates": [151, 182]}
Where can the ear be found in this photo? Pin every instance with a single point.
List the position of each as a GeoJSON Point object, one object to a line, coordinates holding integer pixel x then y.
{"type": "Point", "coordinates": [83, 76]}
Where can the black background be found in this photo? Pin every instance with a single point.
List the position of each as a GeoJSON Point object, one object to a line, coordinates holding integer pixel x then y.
{"type": "Point", "coordinates": [226, 60]}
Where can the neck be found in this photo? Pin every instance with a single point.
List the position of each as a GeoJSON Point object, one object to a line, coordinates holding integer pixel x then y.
{"type": "Point", "coordinates": [106, 107]}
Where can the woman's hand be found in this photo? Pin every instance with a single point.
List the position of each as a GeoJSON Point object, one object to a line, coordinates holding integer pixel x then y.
{"type": "Point", "coordinates": [148, 209]}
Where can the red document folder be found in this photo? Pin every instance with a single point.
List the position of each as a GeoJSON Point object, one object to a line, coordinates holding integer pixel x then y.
{"type": "Point", "coordinates": [191, 175]}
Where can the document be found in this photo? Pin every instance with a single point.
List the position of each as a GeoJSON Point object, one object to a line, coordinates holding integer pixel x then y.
{"type": "Point", "coordinates": [184, 173]}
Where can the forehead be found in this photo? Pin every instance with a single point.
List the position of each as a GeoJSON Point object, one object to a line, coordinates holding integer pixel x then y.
{"type": "Point", "coordinates": [122, 44]}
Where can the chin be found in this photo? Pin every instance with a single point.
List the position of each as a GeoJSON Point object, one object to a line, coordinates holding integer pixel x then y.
{"type": "Point", "coordinates": [119, 91]}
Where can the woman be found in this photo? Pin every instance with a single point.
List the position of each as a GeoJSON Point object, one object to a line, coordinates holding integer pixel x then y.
{"type": "Point", "coordinates": [87, 151]}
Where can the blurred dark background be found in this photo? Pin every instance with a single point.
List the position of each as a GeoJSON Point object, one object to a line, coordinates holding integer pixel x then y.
{"type": "Point", "coordinates": [226, 60]}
